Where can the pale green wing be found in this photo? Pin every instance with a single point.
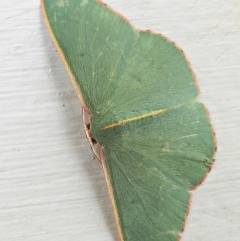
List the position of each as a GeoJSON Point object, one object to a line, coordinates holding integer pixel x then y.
{"type": "Point", "coordinates": [121, 72]}
{"type": "Point", "coordinates": [151, 164]}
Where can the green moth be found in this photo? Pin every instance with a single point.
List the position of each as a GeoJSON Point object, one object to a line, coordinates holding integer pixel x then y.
{"type": "Point", "coordinates": [141, 116]}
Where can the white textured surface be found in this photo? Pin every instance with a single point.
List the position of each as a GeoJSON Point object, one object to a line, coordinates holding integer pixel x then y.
{"type": "Point", "coordinates": [51, 187]}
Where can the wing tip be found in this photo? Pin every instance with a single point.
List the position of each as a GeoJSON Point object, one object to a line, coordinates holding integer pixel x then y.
{"type": "Point", "coordinates": [213, 159]}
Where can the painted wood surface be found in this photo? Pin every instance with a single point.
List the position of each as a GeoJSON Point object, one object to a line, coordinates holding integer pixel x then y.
{"type": "Point", "coordinates": [51, 186]}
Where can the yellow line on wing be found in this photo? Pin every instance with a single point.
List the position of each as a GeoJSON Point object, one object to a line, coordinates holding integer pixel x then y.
{"type": "Point", "coordinates": [123, 122]}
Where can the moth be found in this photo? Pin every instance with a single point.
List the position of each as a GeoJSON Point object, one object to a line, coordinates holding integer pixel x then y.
{"type": "Point", "coordinates": [141, 116]}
